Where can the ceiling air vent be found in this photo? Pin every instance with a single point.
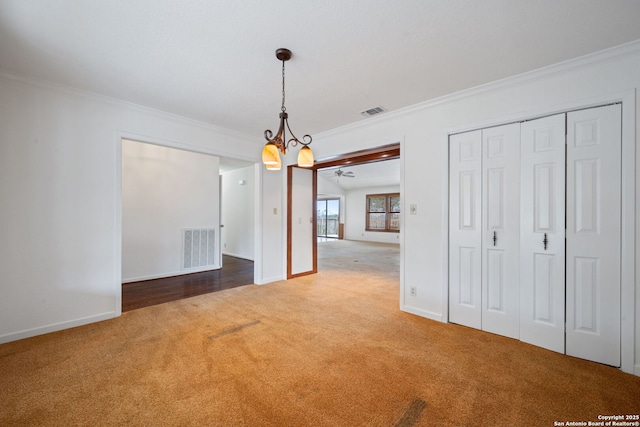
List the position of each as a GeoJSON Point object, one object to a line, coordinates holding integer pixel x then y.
{"type": "Point", "coordinates": [372, 111]}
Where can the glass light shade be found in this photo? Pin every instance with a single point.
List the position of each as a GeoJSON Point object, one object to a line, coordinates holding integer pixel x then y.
{"type": "Point", "coordinates": [305, 157]}
{"type": "Point", "coordinates": [274, 166]}
{"type": "Point", "coordinates": [270, 154]}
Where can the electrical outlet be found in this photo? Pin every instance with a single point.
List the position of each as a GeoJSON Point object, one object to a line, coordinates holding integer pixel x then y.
{"type": "Point", "coordinates": [412, 291]}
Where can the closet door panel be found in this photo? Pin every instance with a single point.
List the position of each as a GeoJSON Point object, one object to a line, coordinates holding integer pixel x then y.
{"type": "Point", "coordinates": [593, 234]}
{"type": "Point", "coordinates": [495, 281]}
{"type": "Point", "coordinates": [500, 229]}
{"type": "Point", "coordinates": [542, 223]}
{"type": "Point", "coordinates": [465, 166]}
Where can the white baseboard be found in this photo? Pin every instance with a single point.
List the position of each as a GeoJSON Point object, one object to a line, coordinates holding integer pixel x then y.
{"type": "Point", "coordinates": [170, 274]}
{"type": "Point", "coordinates": [236, 256]}
{"type": "Point", "coordinates": [421, 312]}
{"type": "Point", "coordinates": [267, 280]}
{"type": "Point", "coordinates": [41, 330]}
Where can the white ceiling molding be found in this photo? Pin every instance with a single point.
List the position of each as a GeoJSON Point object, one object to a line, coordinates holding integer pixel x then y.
{"type": "Point", "coordinates": [69, 90]}
{"type": "Point", "coordinates": [590, 60]}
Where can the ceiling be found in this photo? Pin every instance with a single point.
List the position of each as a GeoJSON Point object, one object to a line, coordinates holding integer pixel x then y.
{"type": "Point", "coordinates": [227, 164]}
{"type": "Point", "coordinates": [214, 61]}
{"type": "Point", "coordinates": [376, 174]}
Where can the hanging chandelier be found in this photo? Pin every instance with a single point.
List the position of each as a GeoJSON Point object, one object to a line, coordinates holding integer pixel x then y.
{"type": "Point", "coordinates": [279, 143]}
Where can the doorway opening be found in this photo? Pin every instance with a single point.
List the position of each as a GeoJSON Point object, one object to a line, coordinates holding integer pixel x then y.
{"type": "Point", "coordinates": [328, 219]}
{"type": "Point", "coordinates": [302, 196]}
{"type": "Point", "coordinates": [171, 215]}
{"type": "Point", "coordinates": [346, 181]}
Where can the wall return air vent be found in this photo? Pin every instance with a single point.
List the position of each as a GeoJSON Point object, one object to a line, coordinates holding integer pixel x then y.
{"type": "Point", "coordinates": [373, 111]}
{"type": "Point", "coordinates": [198, 248]}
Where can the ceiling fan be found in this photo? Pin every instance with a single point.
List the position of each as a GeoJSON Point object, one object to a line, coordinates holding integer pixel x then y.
{"type": "Point", "coordinates": [340, 173]}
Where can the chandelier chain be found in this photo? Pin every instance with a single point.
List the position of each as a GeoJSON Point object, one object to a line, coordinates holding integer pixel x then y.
{"type": "Point", "coordinates": [279, 142]}
{"type": "Point", "coordinates": [283, 108]}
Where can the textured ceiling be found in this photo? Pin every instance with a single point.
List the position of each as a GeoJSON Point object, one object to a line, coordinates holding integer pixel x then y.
{"type": "Point", "coordinates": [376, 174]}
{"type": "Point", "coordinates": [214, 60]}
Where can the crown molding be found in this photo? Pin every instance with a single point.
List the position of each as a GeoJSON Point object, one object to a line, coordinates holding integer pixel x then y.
{"type": "Point", "coordinates": [93, 96]}
{"type": "Point", "coordinates": [589, 60]}
{"type": "Point", "coordinates": [586, 61]}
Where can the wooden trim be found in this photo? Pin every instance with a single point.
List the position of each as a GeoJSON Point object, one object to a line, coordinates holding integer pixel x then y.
{"type": "Point", "coordinates": [387, 212]}
{"type": "Point", "coordinates": [289, 210]}
{"type": "Point", "coordinates": [314, 211]}
{"type": "Point", "coordinates": [385, 152]}
{"type": "Point", "coordinates": [304, 273]}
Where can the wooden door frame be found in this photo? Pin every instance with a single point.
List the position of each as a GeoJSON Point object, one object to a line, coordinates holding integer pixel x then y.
{"type": "Point", "coordinates": [314, 187]}
{"type": "Point", "coordinates": [371, 155]}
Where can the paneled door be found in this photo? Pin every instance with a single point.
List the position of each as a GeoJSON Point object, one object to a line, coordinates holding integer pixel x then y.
{"type": "Point", "coordinates": [484, 229]}
{"type": "Point", "coordinates": [465, 228]}
{"type": "Point", "coordinates": [542, 228]}
{"type": "Point", "coordinates": [593, 234]}
{"type": "Point", "coordinates": [535, 231]}
{"type": "Point", "coordinates": [501, 230]}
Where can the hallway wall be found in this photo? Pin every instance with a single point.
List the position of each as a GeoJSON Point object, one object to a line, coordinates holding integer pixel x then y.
{"type": "Point", "coordinates": [165, 190]}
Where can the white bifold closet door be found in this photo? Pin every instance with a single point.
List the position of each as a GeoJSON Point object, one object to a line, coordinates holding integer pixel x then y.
{"type": "Point", "coordinates": [501, 230]}
{"type": "Point", "coordinates": [535, 232]}
{"type": "Point", "coordinates": [593, 233]}
{"type": "Point", "coordinates": [465, 233]}
{"type": "Point", "coordinates": [484, 229]}
{"type": "Point", "coordinates": [542, 240]}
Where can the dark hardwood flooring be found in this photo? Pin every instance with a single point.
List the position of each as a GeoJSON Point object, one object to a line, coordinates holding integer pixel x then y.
{"type": "Point", "coordinates": [234, 272]}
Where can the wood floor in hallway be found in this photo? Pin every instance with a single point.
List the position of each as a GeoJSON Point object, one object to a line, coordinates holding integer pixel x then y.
{"type": "Point", "coordinates": [234, 272]}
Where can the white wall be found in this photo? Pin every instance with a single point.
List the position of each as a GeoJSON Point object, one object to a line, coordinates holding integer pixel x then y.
{"type": "Point", "coordinates": [270, 247]}
{"type": "Point", "coordinates": [329, 188]}
{"type": "Point", "coordinates": [60, 222]}
{"type": "Point", "coordinates": [356, 208]}
{"type": "Point", "coordinates": [302, 226]}
{"type": "Point", "coordinates": [164, 190]}
{"type": "Point", "coordinates": [238, 212]}
{"type": "Point", "coordinates": [423, 130]}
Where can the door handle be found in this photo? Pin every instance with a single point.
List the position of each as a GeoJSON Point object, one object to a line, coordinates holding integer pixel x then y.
{"type": "Point", "coordinates": [495, 237]}
{"type": "Point", "coordinates": [545, 241]}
